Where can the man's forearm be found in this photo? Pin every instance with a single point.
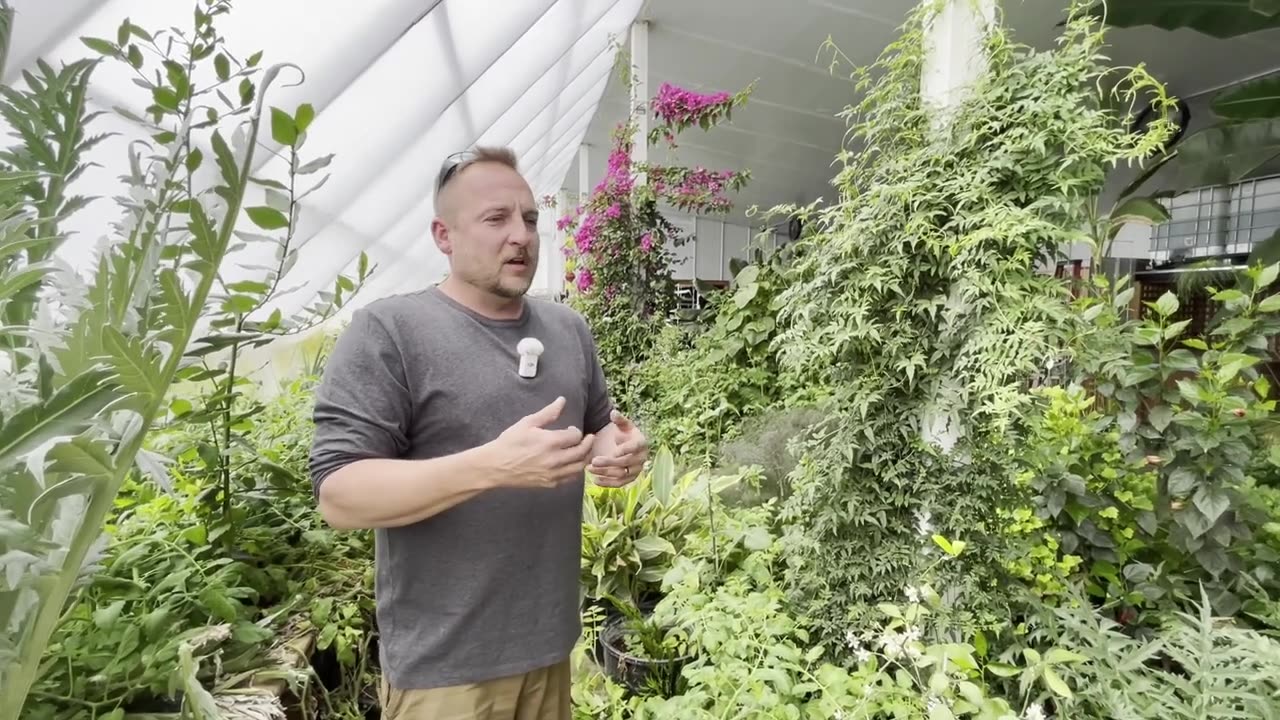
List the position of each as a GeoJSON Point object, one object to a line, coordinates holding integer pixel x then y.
{"type": "Point", "coordinates": [379, 493]}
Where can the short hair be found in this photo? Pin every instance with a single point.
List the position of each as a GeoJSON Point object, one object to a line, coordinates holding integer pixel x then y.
{"type": "Point", "coordinates": [460, 161]}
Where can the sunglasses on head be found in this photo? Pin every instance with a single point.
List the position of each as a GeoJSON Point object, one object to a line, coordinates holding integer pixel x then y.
{"type": "Point", "coordinates": [450, 167]}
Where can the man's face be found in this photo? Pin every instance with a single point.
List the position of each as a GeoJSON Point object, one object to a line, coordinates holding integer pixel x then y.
{"type": "Point", "coordinates": [487, 224]}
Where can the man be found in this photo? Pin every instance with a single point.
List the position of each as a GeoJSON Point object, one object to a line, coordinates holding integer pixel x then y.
{"type": "Point", "coordinates": [470, 470]}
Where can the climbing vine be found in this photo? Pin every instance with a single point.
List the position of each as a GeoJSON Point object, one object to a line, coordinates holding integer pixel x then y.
{"type": "Point", "coordinates": [918, 300]}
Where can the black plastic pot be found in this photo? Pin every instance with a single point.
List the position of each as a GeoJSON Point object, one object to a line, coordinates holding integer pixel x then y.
{"type": "Point", "coordinates": [641, 676]}
{"type": "Point", "coordinates": [645, 605]}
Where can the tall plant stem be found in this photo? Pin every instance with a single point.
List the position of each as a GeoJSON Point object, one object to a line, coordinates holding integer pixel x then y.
{"type": "Point", "coordinates": [31, 645]}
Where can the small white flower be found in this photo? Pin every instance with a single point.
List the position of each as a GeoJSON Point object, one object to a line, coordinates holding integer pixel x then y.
{"type": "Point", "coordinates": [913, 595]}
{"type": "Point", "coordinates": [852, 640]}
{"type": "Point", "coordinates": [892, 644]}
{"type": "Point", "coordinates": [1034, 712]}
{"type": "Point", "coordinates": [863, 655]}
{"type": "Point", "coordinates": [839, 715]}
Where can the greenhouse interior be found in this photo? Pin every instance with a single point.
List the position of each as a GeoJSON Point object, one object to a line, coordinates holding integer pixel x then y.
{"type": "Point", "coordinates": [922, 359]}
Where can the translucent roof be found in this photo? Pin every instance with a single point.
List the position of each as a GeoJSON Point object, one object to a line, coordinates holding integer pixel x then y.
{"type": "Point", "coordinates": [400, 84]}
{"type": "Point", "coordinates": [397, 86]}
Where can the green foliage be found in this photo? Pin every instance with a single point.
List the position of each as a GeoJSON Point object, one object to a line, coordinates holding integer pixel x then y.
{"type": "Point", "coordinates": [630, 536]}
{"type": "Point", "coordinates": [91, 359]}
{"type": "Point", "coordinates": [1097, 504]}
{"type": "Point", "coordinates": [756, 658]}
{"type": "Point", "coordinates": [169, 585]}
{"type": "Point", "coordinates": [698, 386]}
{"type": "Point", "coordinates": [766, 441]}
{"type": "Point", "coordinates": [746, 315]}
{"type": "Point", "coordinates": [1197, 410]}
{"type": "Point", "coordinates": [1216, 18]}
{"type": "Point", "coordinates": [919, 301]}
{"type": "Point", "coordinates": [909, 326]}
{"type": "Point", "coordinates": [1193, 665]}
{"type": "Point", "coordinates": [241, 316]}
{"type": "Point", "coordinates": [689, 401]}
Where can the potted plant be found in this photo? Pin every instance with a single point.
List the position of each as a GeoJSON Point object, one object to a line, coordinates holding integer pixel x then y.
{"type": "Point", "coordinates": [631, 535]}
{"type": "Point", "coordinates": [641, 654]}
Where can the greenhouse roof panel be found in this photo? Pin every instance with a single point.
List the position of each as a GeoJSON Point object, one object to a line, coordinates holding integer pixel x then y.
{"type": "Point", "coordinates": [397, 87]}
{"type": "Point", "coordinates": [401, 84]}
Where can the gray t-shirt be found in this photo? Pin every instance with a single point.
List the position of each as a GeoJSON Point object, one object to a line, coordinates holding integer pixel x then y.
{"type": "Point", "coordinates": [488, 588]}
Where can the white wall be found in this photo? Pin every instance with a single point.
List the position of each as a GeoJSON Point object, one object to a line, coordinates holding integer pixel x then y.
{"type": "Point", "coordinates": [715, 244]}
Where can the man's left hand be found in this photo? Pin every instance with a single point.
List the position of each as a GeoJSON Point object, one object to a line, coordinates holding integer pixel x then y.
{"type": "Point", "coordinates": [623, 453]}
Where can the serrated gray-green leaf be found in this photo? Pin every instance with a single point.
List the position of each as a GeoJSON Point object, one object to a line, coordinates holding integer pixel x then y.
{"type": "Point", "coordinates": [15, 564]}
{"type": "Point", "coordinates": [23, 278]}
{"type": "Point", "coordinates": [137, 366]}
{"type": "Point", "coordinates": [154, 467]}
{"type": "Point", "coordinates": [71, 409]}
{"type": "Point", "coordinates": [173, 306]}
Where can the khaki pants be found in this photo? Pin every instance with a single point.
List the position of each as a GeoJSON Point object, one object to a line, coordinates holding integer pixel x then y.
{"type": "Point", "coordinates": [542, 694]}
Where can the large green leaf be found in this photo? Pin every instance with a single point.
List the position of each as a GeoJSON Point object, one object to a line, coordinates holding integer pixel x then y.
{"type": "Point", "coordinates": [1224, 154]}
{"type": "Point", "coordinates": [1216, 18]}
{"type": "Point", "coordinates": [663, 475]}
{"type": "Point", "coordinates": [66, 413]}
{"type": "Point", "coordinates": [651, 546]}
{"type": "Point", "coordinates": [1250, 101]}
{"type": "Point", "coordinates": [1138, 210]}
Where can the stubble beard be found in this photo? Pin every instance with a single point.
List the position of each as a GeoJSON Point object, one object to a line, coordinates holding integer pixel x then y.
{"type": "Point", "coordinates": [512, 288]}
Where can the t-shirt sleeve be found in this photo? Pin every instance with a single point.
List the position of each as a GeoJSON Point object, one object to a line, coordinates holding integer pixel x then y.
{"type": "Point", "coordinates": [362, 406]}
{"type": "Point", "coordinates": [599, 403]}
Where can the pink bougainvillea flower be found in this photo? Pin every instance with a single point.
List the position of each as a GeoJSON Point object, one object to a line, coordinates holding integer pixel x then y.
{"type": "Point", "coordinates": [585, 280]}
{"type": "Point", "coordinates": [646, 242]}
{"type": "Point", "coordinates": [674, 104]}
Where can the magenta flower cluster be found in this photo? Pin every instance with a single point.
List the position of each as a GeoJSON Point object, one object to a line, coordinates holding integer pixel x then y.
{"type": "Point", "coordinates": [680, 106]}
{"type": "Point", "coordinates": [618, 179]}
{"type": "Point", "coordinates": [696, 189]}
{"type": "Point", "coordinates": [615, 245]}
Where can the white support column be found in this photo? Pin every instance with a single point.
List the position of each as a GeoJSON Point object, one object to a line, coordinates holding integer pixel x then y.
{"type": "Point", "coordinates": [640, 92]}
{"type": "Point", "coordinates": [955, 58]}
{"type": "Point", "coordinates": [955, 53]}
{"type": "Point", "coordinates": [584, 173]}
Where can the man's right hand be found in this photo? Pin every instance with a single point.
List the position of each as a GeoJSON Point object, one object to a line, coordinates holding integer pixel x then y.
{"type": "Point", "coordinates": [527, 454]}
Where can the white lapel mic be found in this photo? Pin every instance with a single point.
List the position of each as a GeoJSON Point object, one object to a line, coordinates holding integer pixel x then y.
{"type": "Point", "coordinates": [529, 349]}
